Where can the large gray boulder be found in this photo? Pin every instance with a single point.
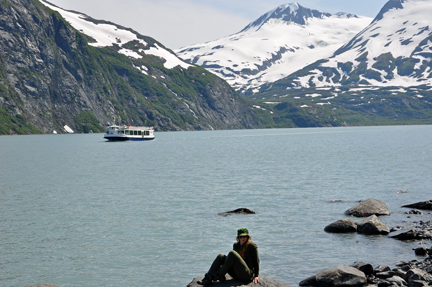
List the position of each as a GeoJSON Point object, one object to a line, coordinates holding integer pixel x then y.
{"type": "Point", "coordinates": [345, 225]}
{"type": "Point", "coordinates": [230, 282]}
{"type": "Point", "coordinates": [368, 207]}
{"type": "Point", "coordinates": [372, 225]}
{"type": "Point", "coordinates": [340, 276]}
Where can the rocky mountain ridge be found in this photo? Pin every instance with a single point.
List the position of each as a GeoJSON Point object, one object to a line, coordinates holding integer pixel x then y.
{"type": "Point", "coordinates": [53, 75]}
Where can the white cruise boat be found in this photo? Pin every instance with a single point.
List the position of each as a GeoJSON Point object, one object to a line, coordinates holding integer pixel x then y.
{"type": "Point", "coordinates": [129, 133]}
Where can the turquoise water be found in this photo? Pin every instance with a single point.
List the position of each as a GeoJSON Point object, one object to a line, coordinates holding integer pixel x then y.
{"type": "Point", "coordinates": [76, 210]}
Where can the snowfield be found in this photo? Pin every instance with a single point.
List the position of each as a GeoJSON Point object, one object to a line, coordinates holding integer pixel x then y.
{"type": "Point", "coordinates": [275, 48]}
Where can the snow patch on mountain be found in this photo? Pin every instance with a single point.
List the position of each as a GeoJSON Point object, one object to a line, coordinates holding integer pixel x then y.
{"type": "Point", "coordinates": [106, 35]}
{"type": "Point", "coordinates": [171, 60]}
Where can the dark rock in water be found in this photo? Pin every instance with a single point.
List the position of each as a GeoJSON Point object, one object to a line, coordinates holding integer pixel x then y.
{"type": "Point", "coordinates": [237, 211]}
{"type": "Point", "coordinates": [404, 234]}
{"type": "Point", "coordinates": [421, 251]}
{"type": "Point", "coordinates": [385, 275]}
{"type": "Point", "coordinates": [366, 268]}
{"type": "Point", "coordinates": [411, 234]}
{"type": "Point", "coordinates": [346, 225]}
{"type": "Point", "coordinates": [340, 276]}
{"type": "Point", "coordinates": [414, 211]}
{"type": "Point", "coordinates": [371, 225]}
{"type": "Point", "coordinates": [367, 208]}
{"type": "Point", "coordinates": [230, 282]}
{"type": "Point", "coordinates": [425, 205]}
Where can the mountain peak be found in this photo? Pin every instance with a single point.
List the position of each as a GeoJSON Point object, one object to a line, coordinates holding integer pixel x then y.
{"type": "Point", "coordinates": [293, 12]}
{"type": "Point", "coordinates": [391, 4]}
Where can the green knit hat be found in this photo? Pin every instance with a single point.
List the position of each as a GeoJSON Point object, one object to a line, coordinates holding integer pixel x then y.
{"type": "Point", "coordinates": [242, 232]}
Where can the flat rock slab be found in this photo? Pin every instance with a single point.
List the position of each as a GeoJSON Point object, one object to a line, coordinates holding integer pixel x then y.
{"type": "Point", "coordinates": [263, 282]}
{"type": "Point", "coordinates": [425, 205]}
{"type": "Point", "coordinates": [368, 207]}
{"type": "Point", "coordinates": [411, 234]}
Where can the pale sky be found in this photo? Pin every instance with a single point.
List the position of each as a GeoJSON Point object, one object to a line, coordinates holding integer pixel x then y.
{"type": "Point", "coordinates": [180, 23]}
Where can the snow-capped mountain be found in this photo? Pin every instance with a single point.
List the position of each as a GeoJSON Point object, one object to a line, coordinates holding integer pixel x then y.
{"type": "Point", "coordinates": [108, 34]}
{"type": "Point", "coordinates": [276, 45]}
{"type": "Point", "coordinates": [395, 50]}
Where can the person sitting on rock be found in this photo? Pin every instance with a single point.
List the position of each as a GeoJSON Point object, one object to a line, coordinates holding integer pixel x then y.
{"type": "Point", "coordinates": [242, 263]}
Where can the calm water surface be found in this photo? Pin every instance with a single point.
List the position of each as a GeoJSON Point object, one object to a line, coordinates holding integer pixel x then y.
{"type": "Point", "coordinates": [76, 210]}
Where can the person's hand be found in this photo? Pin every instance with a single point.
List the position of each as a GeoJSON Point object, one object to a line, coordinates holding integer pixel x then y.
{"type": "Point", "coordinates": [255, 280]}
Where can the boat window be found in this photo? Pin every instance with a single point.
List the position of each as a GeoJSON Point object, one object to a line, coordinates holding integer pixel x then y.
{"type": "Point", "coordinates": [139, 133]}
{"type": "Point", "coordinates": [147, 133]}
{"type": "Point", "coordinates": [127, 132]}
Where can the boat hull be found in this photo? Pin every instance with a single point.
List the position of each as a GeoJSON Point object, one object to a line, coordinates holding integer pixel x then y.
{"type": "Point", "coordinates": [118, 139]}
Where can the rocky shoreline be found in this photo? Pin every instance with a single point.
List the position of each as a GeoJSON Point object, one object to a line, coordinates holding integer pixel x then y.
{"type": "Point", "coordinates": [415, 273]}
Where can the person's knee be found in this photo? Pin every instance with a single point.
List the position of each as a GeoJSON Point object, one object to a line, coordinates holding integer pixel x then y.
{"type": "Point", "coordinates": [233, 253]}
{"type": "Point", "coordinates": [220, 256]}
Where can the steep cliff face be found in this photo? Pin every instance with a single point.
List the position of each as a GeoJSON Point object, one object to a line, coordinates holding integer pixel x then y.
{"type": "Point", "coordinates": [51, 77]}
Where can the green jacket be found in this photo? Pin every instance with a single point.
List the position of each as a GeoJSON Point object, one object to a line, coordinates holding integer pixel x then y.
{"type": "Point", "coordinates": [250, 256]}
